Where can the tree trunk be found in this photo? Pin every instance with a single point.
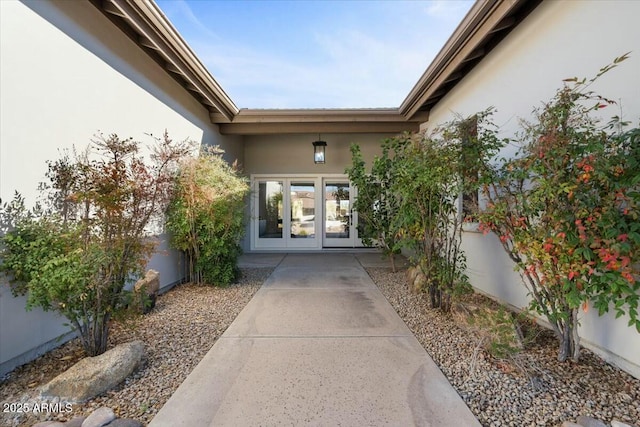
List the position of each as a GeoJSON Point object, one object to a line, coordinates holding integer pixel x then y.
{"type": "Point", "coordinates": [436, 296]}
{"type": "Point", "coordinates": [569, 340]}
{"type": "Point", "coordinates": [97, 333]}
{"type": "Point", "coordinates": [392, 258]}
{"type": "Point", "coordinates": [576, 338]}
{"type": "Point", "coordinates": [446, 303]}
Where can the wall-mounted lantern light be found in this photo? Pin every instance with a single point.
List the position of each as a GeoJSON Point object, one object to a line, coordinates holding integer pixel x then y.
{"type": "Point", "coordinates": [319, 151]}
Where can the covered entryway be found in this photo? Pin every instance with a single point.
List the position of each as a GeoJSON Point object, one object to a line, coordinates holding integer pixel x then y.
{"type": "Point", "coordinates": [297, 204]}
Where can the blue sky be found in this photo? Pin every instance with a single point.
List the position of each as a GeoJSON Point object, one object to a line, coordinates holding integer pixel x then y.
{"type": "Point", "coordinates": [316, 54]}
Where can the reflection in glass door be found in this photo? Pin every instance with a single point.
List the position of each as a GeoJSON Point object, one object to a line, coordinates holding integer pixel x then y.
{"type": "Point", "coordinates": [338, 220]}
{"type": "Point", "coordinates": [286, 213]}
{"type": "Point", "coordinates": [270, 209]}
{"type": "Point", "coordinates": [303, 210]}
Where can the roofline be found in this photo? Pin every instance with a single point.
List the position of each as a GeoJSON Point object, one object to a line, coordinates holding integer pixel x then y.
{"type": "Point", "coordinates": [484, 26]}
{"type": "Point", "coordinates": [360, 120]}
{"type": "Point", "coordinates": [467, 45]}
{"type": "Point", "coordinates": [149, 28]}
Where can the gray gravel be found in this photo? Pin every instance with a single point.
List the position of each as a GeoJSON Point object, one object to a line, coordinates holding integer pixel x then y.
{"type": "Point", "coordinates": [177, 334]}
{"type": "Point", "coordinates": [528, 389]}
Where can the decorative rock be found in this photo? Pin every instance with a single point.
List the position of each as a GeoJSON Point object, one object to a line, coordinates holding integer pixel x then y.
{"type": "Point", "coordinates": [585, 421]}
{"type": "Point", "coordinates": [146, 290]}
{"type": "Point", "coordinates": [420, 282]}
{"type": "Point", "coordinates": [100, 417]}
{"type": "Point", "coordinates": [49, 424]}
{"type": "Point", "coordinates": [412, 272]}
{"type": "Point", "coordinates": [95, 375]}
{"type": "Point", "coordinates": [125, 422]}
{"type": "Point", "coordinates": [150, 282]}
{"type": "Point", "coordinates": [616, 423]}
{"type": "Point", "coordinates": [75, 422]}
{"type": "Point", "coordinates": [570, 424]}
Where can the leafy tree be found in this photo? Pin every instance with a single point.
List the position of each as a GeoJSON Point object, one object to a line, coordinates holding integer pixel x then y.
{"type": "Point", "coordinates": [75, 254]}
{"type": "Point", "coordinates": [411, 196]}
{"type": "Point", "coordinates": [566, 211]}
{"type": "Point", "coordinates": [205, 216]}
{"type": "Point", "coordinates": [375, 203]}
{"type": "Point", "coordinates": [430, 173]}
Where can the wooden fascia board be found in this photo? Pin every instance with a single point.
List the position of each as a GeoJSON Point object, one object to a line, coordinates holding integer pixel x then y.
{"type": "Point", "coordinates": [322, 127]}
{"type": "Point", "coordinates": [311, 116]}
{"type": "Point", "coordinates": [158, 33]}
{"type": "Point", "coordinates": [256, 122]}
{"type": "Point", "coordinates": [112, 9]}
{"type": "Point", "coordinates": [483, 19]}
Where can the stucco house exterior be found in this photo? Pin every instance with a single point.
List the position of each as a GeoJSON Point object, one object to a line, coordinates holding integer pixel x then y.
{"type": "Point", "coordinates": [71, 69]}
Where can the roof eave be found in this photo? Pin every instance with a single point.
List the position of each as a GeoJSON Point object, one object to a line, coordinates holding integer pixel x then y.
{"type": "Point", "coordinates": [270, 121]}
{"type": "Point", "coordinates": [469, 43]}
{"type": "Point", "coordinates": [148, 27]}
{"type": "Point", "coordinates": [483, 28]}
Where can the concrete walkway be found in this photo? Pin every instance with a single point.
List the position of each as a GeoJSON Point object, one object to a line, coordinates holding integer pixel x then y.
{"type": "Point", "coordinates": [317, 345]}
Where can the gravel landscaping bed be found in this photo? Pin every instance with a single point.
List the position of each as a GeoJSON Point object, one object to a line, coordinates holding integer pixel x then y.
{"type": "Point", "coordinates": [177, 334]}
{"type": "Point", "coordinates": [527, 389]}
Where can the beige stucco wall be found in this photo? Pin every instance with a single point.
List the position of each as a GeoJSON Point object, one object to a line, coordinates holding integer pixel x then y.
{"type": "Point", "coordinates": [291, 154]}
{"type": "Point", "coordinates": [558, 40]}
{"type": "Point", "coordinates": [66, 73]}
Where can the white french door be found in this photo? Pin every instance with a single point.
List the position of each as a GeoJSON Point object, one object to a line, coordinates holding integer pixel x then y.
{"type": "Point", "coordinates": [303, 212]}
{"type": "Point", "coordinates": [285, 213]}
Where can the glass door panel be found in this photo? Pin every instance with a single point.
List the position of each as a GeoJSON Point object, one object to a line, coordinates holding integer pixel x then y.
{"type": "Point", "coordinates": [303, 210]}
{"type": "Point", "coordinates": [338, 224]}
{"type": "Point", "coordinates": [270, 209]}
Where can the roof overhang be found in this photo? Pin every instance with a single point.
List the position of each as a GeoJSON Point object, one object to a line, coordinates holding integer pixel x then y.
{"type": "Point", "coordinates": [484, 26]}
{"type": "Point", "coordinates": [271, 121]}
{"type": "Point", "coordinates": [148, 27]}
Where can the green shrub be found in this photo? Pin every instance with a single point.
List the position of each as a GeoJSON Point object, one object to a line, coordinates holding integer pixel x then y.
{"type": "Point", "coordinates": [375, 203]}
{"type": "Point", "coordinates": [205, 217]}
{"type": "Point", "coordinates": [75, 256]}
{"type": "Point", "coordinates": [566, 211]}
{"type": "Point", "coordinates": [410, 199]}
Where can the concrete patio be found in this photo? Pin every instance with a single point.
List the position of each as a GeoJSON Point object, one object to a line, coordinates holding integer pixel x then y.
{"type": "Point", "coordinates": [317, 345]}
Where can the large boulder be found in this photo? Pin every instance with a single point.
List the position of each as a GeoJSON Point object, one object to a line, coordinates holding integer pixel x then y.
{"type": "Point", "coordinates": [585, 421]}
{"type": "Point", "coordinates": [416, 279]}
{"type": "Point", "coordinates": [146, 290]}
{"type": "Point", "coordinates": [92, 376]}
